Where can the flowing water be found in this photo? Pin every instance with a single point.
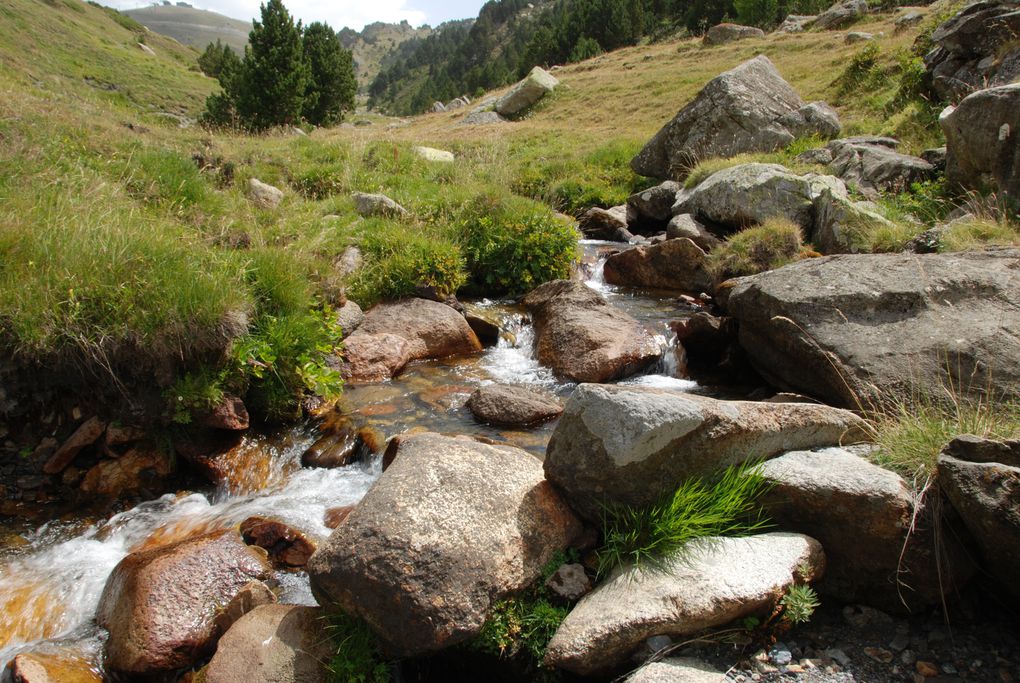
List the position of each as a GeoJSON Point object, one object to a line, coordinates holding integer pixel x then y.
{"type": "Point", "coordinates": [52, 578]}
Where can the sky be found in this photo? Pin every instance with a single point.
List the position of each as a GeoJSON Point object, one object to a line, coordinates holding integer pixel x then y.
{"type": "Point", "coordinates": [339, 13]}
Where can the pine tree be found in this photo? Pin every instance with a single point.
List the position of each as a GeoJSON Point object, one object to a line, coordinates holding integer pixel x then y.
{"type": "Point", "coordinates": [219, 61]}
{"type": "Point", "coordinates": [270, 87]}
{"type": "Point", "coordinates": [331, 85]}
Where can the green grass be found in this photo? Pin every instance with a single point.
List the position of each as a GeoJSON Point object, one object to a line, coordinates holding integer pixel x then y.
{"type": "Point", "coordinates": [700, 508]}
{"type": "Point", "coordinates": [768, 246]}
{"type": "Point", "coordinates": [979, 233]}
{"type": "Point", "coordinates": [910, 436]}
{"type": "Point", "coordinates": [358, 658]}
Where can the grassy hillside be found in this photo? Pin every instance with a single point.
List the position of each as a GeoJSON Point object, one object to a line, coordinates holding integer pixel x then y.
{"type": "Point", "coordinates": [121, 254]}
{"type": "Point", "coordinates": [192, 26]}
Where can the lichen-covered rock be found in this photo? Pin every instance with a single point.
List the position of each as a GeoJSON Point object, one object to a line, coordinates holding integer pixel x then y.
{"type": "Point", "coordinates": [983, 140]}
{"type": "Point", "coordinates": [449, 528]}
{"type": "Point", "coordinates": [655, 203]}
{"type": "Point", "coordinates": [584, 338]}
{"type": "Point", "coordinates": [685, 225]}
{"type": "Point", "coordinates": [844, 329]}
{"type": "Point", "coordinates": [742, 110]}
{"type": "Point", "coordinates": [632, 445]}
{"type": "Point", "coordinates": [160, 605]}
{"type": "Point", "coordinates": [713, 582]}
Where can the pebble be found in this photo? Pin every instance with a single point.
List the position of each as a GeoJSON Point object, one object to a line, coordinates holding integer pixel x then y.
{"type": "Point", "coordinates": [879, 655]}
{"type": "Point", "coordinates": [780, 654]}
{"type": "Point", "coordinates": [927, 669]}
{"type": "Point", "coordinates": [838, 656]}
{"type": "Point", "coordinates": [900, 642]}
{"type": "Point", "coordinates": [949, 670]}
{"type": "Point", "coordinates": [908, 657]}
{"type": "Point", "coordinates": [656, 643]}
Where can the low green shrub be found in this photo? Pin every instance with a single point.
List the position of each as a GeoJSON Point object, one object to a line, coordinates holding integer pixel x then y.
{"type": "Point", "coordinates": [862, 71]}
{"type": "Point", "coordinates": [757, 249]}
{"type": "Point", "coordinates": [358, 658]}
{"type": "Point", "coordinates": [724, 506]}
{"type": "Point", "coordinates": [520, 625]}
{"type": "Point", "coordinates": [512, 245]}
{"type": "Point", "coordinates": [799, 604]}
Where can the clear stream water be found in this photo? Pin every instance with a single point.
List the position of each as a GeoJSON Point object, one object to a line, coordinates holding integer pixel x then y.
{"type": "Point", "coordinates": [51, 579]}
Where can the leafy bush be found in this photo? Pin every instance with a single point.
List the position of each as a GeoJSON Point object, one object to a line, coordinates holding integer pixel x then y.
{"type": "Point", "coordinates": [768, 246]}
{"type": "Point", "coordinates": [726, 506]}
{"type": "Point", "coordinates": [512, 245]}
{"type": "Point", "coordinates": [358, 658]}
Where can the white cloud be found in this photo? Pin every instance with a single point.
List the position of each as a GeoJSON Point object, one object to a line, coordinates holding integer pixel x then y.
{"type": "Point", "coordinates": [336, 13]}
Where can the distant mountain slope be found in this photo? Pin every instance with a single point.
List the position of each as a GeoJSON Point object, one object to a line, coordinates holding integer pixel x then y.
{"type": "Point", "coordinates": [191, 26]}
{"type": "Point", "coordinates": [378, 45]}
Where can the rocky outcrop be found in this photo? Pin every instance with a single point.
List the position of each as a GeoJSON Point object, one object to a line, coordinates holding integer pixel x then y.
{"type": "Point", "coordinates": [982, 481]}
{"type": "Point", "coordinates": [513, 406]}
{"type": "Point", "coordinates": [713, 582]}
{"type": "Point", "coordinates": [720, 34]}
{"type": "Point", "coordinates": [677, 264]}
{"type": "Point", "coordinates": [632, 445]}
{"type": "Point", "coordinates": [369, 205]}
{"type": "Point", "coordinates": [975, 49]}
{"type": "Point", "coordinates": [873, 166]}
{"type": "Point", "coordinates": [748, 194]}
{"type": "Point", "coordinates": [273, 644]}
{"type": "Point", "coordinates": [748, 109]}
{"type": "Point", "coordinates": [449, 528]}
{"type": "Point", "coordinates": [844, 329]}
{"type": "Point", "coordinates": [585, 339]}
{"type": "Point", "coordinates": [983, 140]}
{"type": "Point", "coordinates": [393, 334]}
{"type": "Point", "coordinates": [889, 558]}
{"type": "Point", "coordinates": [526, 93]}
{"type": "Point", "coordinates": [840, 15]}
{"type": "Point", "coordinates": [160, 605]}
{"type": "Point", "coordinates": [262, 195]}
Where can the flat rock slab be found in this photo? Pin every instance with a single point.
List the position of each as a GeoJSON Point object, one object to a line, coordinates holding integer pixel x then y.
{"type": "Point", "coordinates": [844, 329]}
{"type": "Point", "coordinates": [513, 406]}
{"type": "Point", "coordinates": [632, 445]}
{"type": "Point", "coordinates": [273, 644]}
{"type": "Point", "coordinates": [678, 670]}
{"type": "Point", "coordinates": [714, 582]}
{"type": "Point", "coordinates": [160, 605]}
{"type": "Point", "coordinates": [449, 528]}
{"type": "Point", "coordinates": [584, 338]}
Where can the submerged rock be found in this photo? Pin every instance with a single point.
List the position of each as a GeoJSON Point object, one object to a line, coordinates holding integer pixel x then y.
{"type": "Point", "coordinates": [449, 528]}
{"type": "Point", "coordinates": [713, 582]}
{"type": "Point", "coordinates": [584, 338]}
{"type": "Point", "coordinates": [632, 445]}
{"type": "Point", "coordinates": [160, 605]}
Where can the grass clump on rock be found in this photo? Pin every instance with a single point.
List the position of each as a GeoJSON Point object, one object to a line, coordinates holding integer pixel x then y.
{"type": "Point", "coordinates": [768, 246]}
{"type": "Point", "coordinates": [700, 508]}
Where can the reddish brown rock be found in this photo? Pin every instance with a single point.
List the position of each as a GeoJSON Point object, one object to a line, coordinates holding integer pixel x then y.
{"type": "Point", "coordinates": [37, 667]}
{"type": "Point", "coordinates": [160, 605]}
{"type": "Point", "coordinates": [120, 435]}
{"type": "Point", "coordinates": [337, 449]}
{"type": "Point", "coordinates": [254, 594]}
{"type": "Point", "coordinates": [138, 470]}
{"type": "Point", "coordinates": [374, 357]}
{"type": "Point", "coordinates": [334, 517]}
{"type": "Point", "coordinates": [585, 339]}
{"type": "Point", "coordinates": [287, 547]}
{"type": "Point", "coordinates": [674, 264]}
{"type": "Point", "coordinates": [231, 414]}
{"type": "Point", "coordinates": [85, 435]}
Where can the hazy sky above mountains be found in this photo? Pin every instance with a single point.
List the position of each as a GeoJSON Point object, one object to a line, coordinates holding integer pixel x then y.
{"type": "Point", "coordinates": [339, 13]}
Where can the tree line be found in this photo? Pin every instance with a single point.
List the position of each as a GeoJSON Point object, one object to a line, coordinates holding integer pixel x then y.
{"type": "Point", "coordinates": [511, 36]}
{"type": "Point", "coordinates": [289, 73]}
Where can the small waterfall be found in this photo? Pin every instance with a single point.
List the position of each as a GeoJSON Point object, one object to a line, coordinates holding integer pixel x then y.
{"type": "Point", "coordinates": [513, 360]}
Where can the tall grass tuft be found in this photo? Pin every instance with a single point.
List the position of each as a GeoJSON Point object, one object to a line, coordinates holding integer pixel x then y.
{"type": "Point", "coordinates": [768, 246]}
{"type": "Point", "coordinates": [700, 508]}
{"type": "Point", "coordinates": [357, 657]}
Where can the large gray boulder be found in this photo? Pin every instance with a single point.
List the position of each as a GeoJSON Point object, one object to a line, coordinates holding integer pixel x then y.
{"type": "Point", "coordinates": [747, 109]}
{"type": "Point", "coordinates": [982, 481]}
{"type": "Point", "coordinates": [160, 605]}
{"type": "Point", "coordinates": [752, 193]}
{"type": "Point", "coordinates": [720, 34]}
{"type": "Point", "coordinates": [713, 582]}
{"type": "Point", "coordinates": [273, 644]}
{"type": "Point", "coordinates": [452, 526]}
{"type": "Point", "coordinates": [863, 330]}
{"type": "Point", "coordinates": [677, 264]}
{"type": "Point", "coordinates": [632, 445]}
{"type": "Point", "coordinates": [526, 93]}
{"type": "Point", "coordinates": [584, 338]}
{"type": "Point", "coordinates": [840, 15]}
{"type": "Point", "coordinates": [882, 550]}
{"type": "Point", "coordinates": [983, 140]}
{"type": "Point", "coordinates": [874, 168]}
{"type": "Point", "coordinates": [975, 49]}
